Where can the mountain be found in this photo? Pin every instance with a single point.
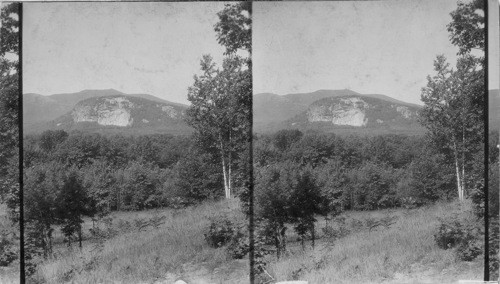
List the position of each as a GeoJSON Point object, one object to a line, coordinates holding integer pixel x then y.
{"type": "Point", "coordinates": [343, 111]}
{"type": "Point", "coordinates": [38, 109]}
{"type": "Point", "coordinates": [494, 109]}
{"type": "Point", "coordinates": [118, 113]}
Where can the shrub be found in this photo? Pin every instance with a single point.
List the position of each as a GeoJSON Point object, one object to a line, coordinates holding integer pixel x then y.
{"type": "Point", "coordinates": [8, 251]}
{"type": "Point", "coordinates": [411, 202]}
{"type": "Point", "coordinates": [469, 247]}
{"type": "Point", "coordinates": [449, 234]}
{"type": "Point", "coordinates": [461, 234]}
{"type": "Point", "coordinates": [220, 232]}
{"type": "Point", "coordinates": [239, 245]}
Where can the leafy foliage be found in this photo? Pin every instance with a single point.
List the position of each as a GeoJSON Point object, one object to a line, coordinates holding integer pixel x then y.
{"type": "Point", "coordinates": [9, 108]}
{"type": "Point", "coordinates": [220, 232]}
{"type": "Point", "coordinates": [467, 26]}
{"type": "Point", "coordinates": [449, 234]}
{"type": "Point", "coordinates": [72, 204]}
{"type": "Point", "coordinates": [221, 99]}
{"type": "Point", "coordinates": [234, 29]}
{"type": "Point", "coordinates": [9, 247]}
{"type": "Point", "coordinates": [462, 232]}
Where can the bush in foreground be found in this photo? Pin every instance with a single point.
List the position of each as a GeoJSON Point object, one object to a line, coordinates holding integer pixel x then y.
{"type": "Point", "coordinates": [220, 232]}
{"type": "Point", "coordinates": [460, 231]}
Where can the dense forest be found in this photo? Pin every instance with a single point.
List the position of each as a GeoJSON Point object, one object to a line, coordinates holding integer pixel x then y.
{"type": "Point", "coordinates": [104, 174]}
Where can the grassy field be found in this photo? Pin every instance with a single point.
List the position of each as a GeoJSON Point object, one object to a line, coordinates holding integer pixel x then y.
{"type": "Point", "coordinates": [9, 274]}
{"type": "Point", "coordinates": [403, 253]}
{"type": "Point", "coordinates": [174, 250]}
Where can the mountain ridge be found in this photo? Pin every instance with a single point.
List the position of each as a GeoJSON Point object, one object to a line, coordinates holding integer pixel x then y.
{"type": "Point", "coordinates": [272, 111]}
{"type": "Point", "coordinates": [39, 108]}
{"type": "Point", "coordinates": [109, 111]}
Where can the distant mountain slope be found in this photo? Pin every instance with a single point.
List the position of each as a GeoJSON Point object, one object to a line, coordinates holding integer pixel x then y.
{"type": "Point", "coordinates": [38, 109]}
{"type": "Point", "coordinates": [270, 109]}
{"type": "Point", "coordinates": [357, 114]}
{"type": "Point", "coordinates": [273, 112]}
{"type": "Point", "coordinates": [119, 113]}
{"type": "Point", "coordinates": [309, 98]}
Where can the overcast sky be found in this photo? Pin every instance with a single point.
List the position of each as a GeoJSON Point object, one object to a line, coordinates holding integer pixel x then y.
{"type": "Point", "coordinates": [384, 47]}
{"type": "Point", "coordinates": [152, 48]}
{"type": "Point", "coordinates": [494, 45]}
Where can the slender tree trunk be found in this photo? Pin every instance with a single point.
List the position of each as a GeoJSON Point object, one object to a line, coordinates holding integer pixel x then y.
{"type": "Point", "coordinates": [283, 238]}
{"type": "Point", "coordinates": [277, 243]}
{"type": "Point", "coordinates": [50, 245]}
{"type": "Point", "coordinates": [463, 176]}
{"type": "Point", "coordinates": [313, 235]}
{"type": "Point", "coordinates": [80, 237]}
{"type": "Point", "coordinates": [49, 235]}
{"type": "Point", "coordinates": [230, 164]}
{"type": "Point", "coordinates": [224, 167]}
{"type": "Point", "coordinates": [226, 188]}
{"type": "Point", "coordinates": [45, 245]}
{"type": "Point", "coordinates": [463, 162]}
{"type": "Point", "coordinates": [457, 172]}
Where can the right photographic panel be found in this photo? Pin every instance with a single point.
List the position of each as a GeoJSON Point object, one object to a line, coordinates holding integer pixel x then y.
{"type": "Point", "coordinates": [370, 143]}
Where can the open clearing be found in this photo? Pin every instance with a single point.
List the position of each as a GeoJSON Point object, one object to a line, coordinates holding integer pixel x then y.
{"type": "Point", "coordinates": [174, 250]}
{"type": "Point", "coordinates": [403, 253]}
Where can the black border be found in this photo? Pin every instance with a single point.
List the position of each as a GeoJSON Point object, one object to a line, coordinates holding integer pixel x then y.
{"type": "Point", "coordinates": [22, 274]}
{"type": "Point", "coordinates": [486, 149]}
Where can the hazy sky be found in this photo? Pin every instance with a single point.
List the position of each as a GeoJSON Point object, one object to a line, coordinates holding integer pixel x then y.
{"type": "Point", "coordinates": [494, 46]}
{"type": "Point", "coordinates": [152, 48]}
{"type": "Point", "coordinates": [384, 47]}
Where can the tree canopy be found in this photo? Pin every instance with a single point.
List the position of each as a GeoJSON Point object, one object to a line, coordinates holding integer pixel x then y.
{"type": "Point", "coordinates": [221, 98]}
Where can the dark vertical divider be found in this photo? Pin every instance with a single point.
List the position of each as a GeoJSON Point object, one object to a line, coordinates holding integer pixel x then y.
{"type": "Point", "coordinates": [251, 224]}
{"type": "Point", "coordinates": [20, 120]}
{"type": "Point", "coordinates": [486, 150]}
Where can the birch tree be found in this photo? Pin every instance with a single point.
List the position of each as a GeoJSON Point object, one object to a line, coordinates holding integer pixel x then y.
{"type": "Point", "coordinates": [454, 98]}
{"type": "Point", "coordinates": [453, 112]}
{"type": "Point", "coordinates": [217, 112]}
{"type": "Point", "coordinates": [221, 98]}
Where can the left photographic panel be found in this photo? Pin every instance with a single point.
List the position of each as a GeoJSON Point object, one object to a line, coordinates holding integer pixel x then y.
{"type": "Point", "coordinates": [136, 142]}
{"type": "Point", "coordinates": [9, 143]}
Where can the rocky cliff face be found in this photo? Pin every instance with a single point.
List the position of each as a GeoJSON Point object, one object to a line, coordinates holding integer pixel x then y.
{"type": "Point", "coordinates": [357, 112]}
{"type": "Point", "coordinates": [123, 113]}
{"type": "Point", "coordinates": [347, 111]}
{"type": "Point", "coordinates": [111, 111]}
